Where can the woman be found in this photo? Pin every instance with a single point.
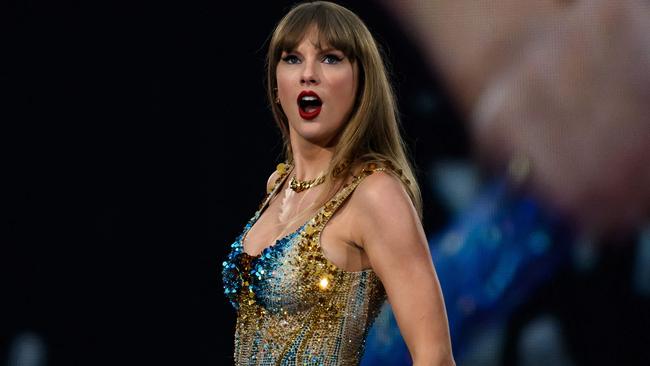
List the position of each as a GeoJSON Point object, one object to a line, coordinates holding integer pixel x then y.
{"type": "Point", "coordinates": [339, 230]}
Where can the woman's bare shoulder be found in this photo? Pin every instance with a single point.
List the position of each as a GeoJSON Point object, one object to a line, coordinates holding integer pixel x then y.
{"type": "Point", "coordinates": [381, 192]}
{"type": "Point", "coordinates": [383, 214]}
{"type": "Point", "coordinates": [270, 183]}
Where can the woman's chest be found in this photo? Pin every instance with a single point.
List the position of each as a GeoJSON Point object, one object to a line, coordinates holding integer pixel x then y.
{"type": "Point", "coordinates": [268, 229]}
{"type": "Point", "coordinates": [337, 241]}
{"type": "Point", "coordinates": [290, 276]}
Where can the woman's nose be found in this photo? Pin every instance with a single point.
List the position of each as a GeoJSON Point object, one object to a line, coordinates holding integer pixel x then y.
{"type": "Point", "coordinates": [309, 74]}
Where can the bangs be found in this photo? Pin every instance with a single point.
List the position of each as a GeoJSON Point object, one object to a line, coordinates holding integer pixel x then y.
{"type": "Point", "coordinates": [332, 25]}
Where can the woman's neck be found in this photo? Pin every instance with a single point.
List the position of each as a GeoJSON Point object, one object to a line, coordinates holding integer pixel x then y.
{"type": "Point", "coordinates": [310, 161]}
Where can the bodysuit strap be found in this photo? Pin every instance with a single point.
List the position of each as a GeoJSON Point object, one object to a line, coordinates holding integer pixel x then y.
{"type": "Point", "coordinates": [328, 210]}
{"type": "Point", "coordinates": [310, 241]}
{"type": "Point", "coordinates": [283, 170]}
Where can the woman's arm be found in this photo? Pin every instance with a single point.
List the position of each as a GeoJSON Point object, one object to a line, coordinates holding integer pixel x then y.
{"type": "Point", "coordinates": [392, 236]}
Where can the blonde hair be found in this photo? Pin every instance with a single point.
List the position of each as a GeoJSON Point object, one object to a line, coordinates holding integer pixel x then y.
{"type": "Point", "coordinates": [372, 133]}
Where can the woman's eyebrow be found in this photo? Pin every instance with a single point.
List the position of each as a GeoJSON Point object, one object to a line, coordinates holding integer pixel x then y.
{"type": "Point", "coordinates": [330, 50]}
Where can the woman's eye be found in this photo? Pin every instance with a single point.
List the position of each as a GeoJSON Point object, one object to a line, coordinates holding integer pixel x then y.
{"type": "Point", "coordinates": [291, 59]}
{"type": "Point", "coordinates": [332, 59]}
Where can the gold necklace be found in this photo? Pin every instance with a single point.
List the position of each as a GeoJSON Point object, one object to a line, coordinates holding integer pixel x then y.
{"type": "Point", "coordinates": [301, 185]}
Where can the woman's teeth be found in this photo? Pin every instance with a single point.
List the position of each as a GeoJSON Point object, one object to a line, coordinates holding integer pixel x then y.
{"type": "Point", "coordinates": [309, 103]}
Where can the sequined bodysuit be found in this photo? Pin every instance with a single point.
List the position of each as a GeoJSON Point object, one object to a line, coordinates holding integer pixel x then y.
{"type": "Point", "coordinates": [295, 307]}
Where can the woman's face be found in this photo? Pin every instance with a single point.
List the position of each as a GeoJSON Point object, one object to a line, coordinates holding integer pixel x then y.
{"type": "Point", "coordinates": [316, 88]}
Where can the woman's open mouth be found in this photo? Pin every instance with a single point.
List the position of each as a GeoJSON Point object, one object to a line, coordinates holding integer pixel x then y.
{"type": "Point", "coordinates": [309, 104]}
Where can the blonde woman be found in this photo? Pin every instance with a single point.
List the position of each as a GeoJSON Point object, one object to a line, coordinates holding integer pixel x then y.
{"type": "Point", "coordinates": [339, 231]}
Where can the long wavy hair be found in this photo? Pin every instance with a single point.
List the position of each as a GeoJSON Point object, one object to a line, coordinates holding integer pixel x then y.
{"type": "Point", "coordinates": [372, 133]}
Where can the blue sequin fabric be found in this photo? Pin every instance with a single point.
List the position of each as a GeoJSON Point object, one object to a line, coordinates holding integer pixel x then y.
{"type": "Point", "coordinates": [295, 307]}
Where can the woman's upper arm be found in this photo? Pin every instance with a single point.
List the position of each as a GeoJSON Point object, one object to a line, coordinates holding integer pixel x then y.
{"type": "Point", "coordinates": [392, 236]}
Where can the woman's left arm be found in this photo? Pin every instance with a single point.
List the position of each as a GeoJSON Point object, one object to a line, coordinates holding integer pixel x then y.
{"type": "Point", "coordinates": [392, 236]}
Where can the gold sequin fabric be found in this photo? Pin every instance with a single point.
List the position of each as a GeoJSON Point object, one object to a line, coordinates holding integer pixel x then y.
{"type": "Point", "coordinates": [295, 307]}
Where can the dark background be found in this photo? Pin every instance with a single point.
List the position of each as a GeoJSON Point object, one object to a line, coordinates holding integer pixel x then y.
{"type": "Point", "coordinates": [137, 143]}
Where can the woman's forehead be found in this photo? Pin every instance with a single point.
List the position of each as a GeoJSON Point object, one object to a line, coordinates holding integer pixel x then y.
{"type": "Point", "coordinates": [319, 42]}
{"type": "Point", "coordinates": [311, 34]}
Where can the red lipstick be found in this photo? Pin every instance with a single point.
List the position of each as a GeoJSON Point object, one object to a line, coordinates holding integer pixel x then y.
{"type": "Point", "coordinates": [309, 104]}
